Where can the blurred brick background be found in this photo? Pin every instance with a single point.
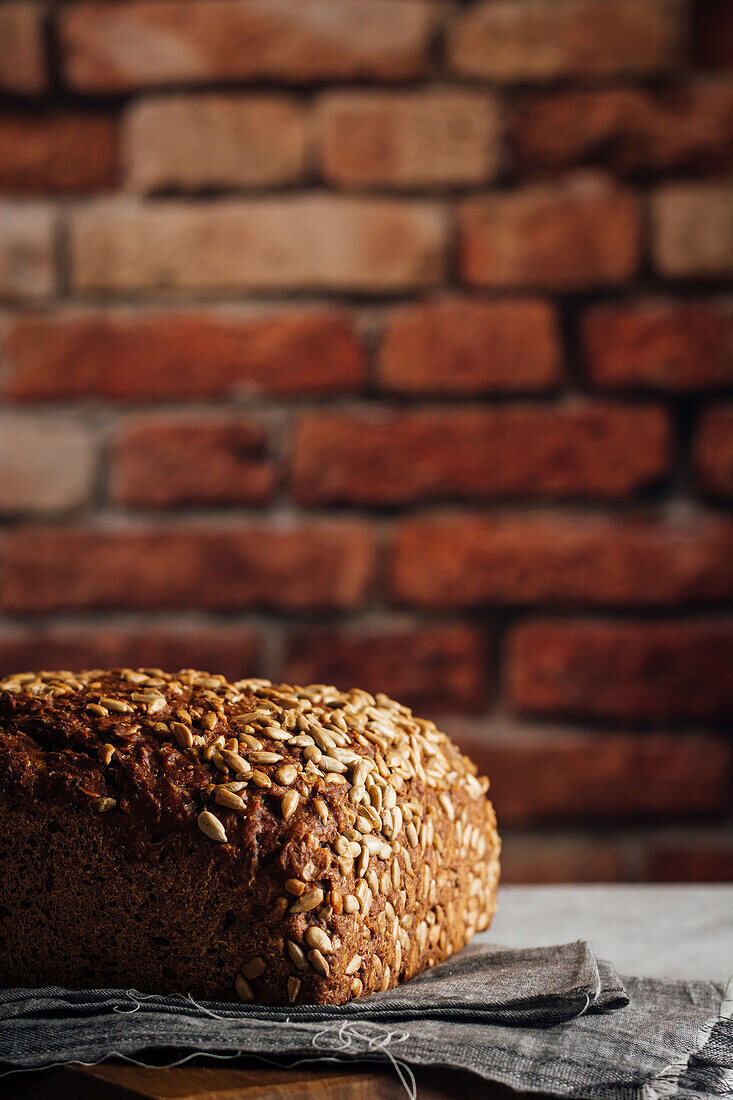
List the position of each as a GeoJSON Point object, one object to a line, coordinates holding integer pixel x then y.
{"type": "Point", "coordinates": [387, 342]}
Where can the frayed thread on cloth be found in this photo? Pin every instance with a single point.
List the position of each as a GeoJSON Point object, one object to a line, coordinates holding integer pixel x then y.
{"type": "Point", "coordinates": [718, 1079]}
{"type": "Point", "coordinates": [338, 1037]}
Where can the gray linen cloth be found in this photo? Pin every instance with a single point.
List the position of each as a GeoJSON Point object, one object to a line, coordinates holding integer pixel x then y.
{"type": "Point", "coordinates": [552, 1020]}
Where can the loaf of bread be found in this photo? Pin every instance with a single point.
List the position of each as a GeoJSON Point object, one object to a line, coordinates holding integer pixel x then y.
{"type": "Point", "coordinates": [280, 844]}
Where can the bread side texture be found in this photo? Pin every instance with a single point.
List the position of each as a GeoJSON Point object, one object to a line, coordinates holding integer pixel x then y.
{"type": "Point", "coordinates": [275, 843]}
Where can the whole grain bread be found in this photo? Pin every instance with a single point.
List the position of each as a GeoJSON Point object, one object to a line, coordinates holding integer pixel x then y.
{"type": "Point", "coordinates": [276, 843]}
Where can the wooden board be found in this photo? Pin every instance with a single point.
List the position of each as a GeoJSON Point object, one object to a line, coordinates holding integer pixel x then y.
{"type": "Point", "coordinates": [115, 1081]}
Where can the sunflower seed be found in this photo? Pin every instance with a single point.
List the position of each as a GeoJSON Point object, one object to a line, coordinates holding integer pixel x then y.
{"type": "Point", "coordinates": [236, 762]}
{"type": "Point", "coordinates": [447, 805]}
{"type": "Point", "coordinates": [243, 989]}
{"type": "Point", "coordinates": [353, 965]}
{"type": "Point", "coordinates": [263, 757]}
{"type": "Point", "coordinates": [211, 827]}
{"type": "Point", "coordinates": [252, 743]}
{"type": "Point", "coordinates": [287, 774]}
{"type": "Point", "coordinates": [106, 753]}
{"type": "Point", "coordinates": [182, 734]}
{"type": "Point", "coordinates": [229, 799]}
{"type": "Point", "coordinates": [289, 803]}
{"type": "Point", "coordinates": [297, 955]}
{"type": "Point", "coordinates": [294, 985]}
{"type": "Point", "coordinates": [116, 705]}
{"type": "Point", "coordinates": [315, 937]}
{"type": "Point", "coordinates": [255, 968]}
{"type": "Point", "coordinates": [250, 716]}
{"type": "Point", "coordinates": [307, 901]}
{"type": "Point", "coordinates": [321, 809]}
{"type": "Point", "coordinates": [319, 963]}
{"type": "Point", "coordinates": [351, 904]}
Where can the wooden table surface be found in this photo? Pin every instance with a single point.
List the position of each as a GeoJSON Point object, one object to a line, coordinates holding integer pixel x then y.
{"type": "Point", "coordinates": [659, 931]}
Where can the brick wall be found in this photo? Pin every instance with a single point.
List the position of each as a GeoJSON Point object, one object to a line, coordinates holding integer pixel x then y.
{"type": "Point", "coordinates": [388, 342]}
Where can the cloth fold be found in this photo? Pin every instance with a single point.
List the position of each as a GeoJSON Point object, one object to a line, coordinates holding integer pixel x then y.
{"type": "Point", "coordinates": [541, 1019]}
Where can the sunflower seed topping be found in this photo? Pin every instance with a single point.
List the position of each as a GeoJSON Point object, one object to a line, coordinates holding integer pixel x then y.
{"type": "Point", "coordinates": [318, 962]}
{"type": "Point", "coordinates": [316, 938]}
{"type": "Point", "coordinates": [297, 954]}
{"type": "Point", "coordinates": [353, 965]}
{"type": "Point", "coordinates": [116, 705]}
{"type": "Point", "coordinates": [263, 757]}
{"type": "Point", "coordinates": [229, 799]}
{"type": "Point", "coordinates": [182, 734]}
{"type": "Point", "coordinates": [211, 827]}
{"type": "Point", "coordinates": [287, 774]}
{"type": "Point", "coordinates": [243, 989]}
{"type": "Point", "coordinates": [236, 762]}
{"type": "Point", "coordinates": [289, 803]}
{"type": "Point", "coordinates": [255, 968]}
{"type": "Point", "coordinates": [294, 985]}
{"type": "Point", "coordinates": [310, 899]}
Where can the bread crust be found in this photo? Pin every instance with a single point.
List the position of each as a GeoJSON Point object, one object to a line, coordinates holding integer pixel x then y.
{"type": "Point", "coordinates": [269, 842]}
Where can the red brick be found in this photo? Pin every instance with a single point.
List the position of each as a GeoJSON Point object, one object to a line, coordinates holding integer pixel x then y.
{"type": "Point", "coordinates": [27, 232]}
{"type": "Point", "coordinates": [323, 565]}
{"type": "Point", "coordinates": [231, 651]}
{"type": "Point", "coordinates": [465, 346]}
{"type": "Point", "coordinates": [189, 461]}
{"type": "Point", "coordinates": [691, 863]}
{"type": "Point", "coordinates": [692, 230]}
{"type": "Point", "coordinates": [628, 130]}
{"type": "Point", "coordinates": [190, 143]}
{"type": "Point", "coordinates": [433, 137]}
{"type": "Point", "coordinates": [713, 456]}
{"type": "Point", "coordinates": [549, 558]}
{"type": "Point", "coordinates": [566, 236]}
{"type": "Point", "coordinates": [142, 43]}
{"type": "Point", "coordinates": [384, 457]}
{"type": "Point", "coordinates": [306, 242]}
{"type": "Point", "coordinates": [712, 34]}
{"type": "Point", "coordinates": [536, 858]}
{"type": "Point", "coordinates": [158, 356]}
{"type": "Point", "coordinates": [548, 39]}
{"type": "Point", "coordinates": [57, 151]}
{"type": "Point", "coordinates": [622, 670]}
{"type": "Point", "coordinates": [430, 668]}
{"type": "Point", "coordinates": [660, 345]}
{"type": "Point", "coordinates": [22, 60]}
{"type": "Point", "coordinates": [589, 777]}
{"type": "Point", "coordinates": [48, 462]}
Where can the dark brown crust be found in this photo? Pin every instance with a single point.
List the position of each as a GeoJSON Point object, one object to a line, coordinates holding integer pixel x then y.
{"type": "Point", "coordinates": [113, 877]}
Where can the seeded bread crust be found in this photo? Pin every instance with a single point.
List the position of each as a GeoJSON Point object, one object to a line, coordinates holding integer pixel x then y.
{"type": "Point", "coordinates": [275, 843]}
